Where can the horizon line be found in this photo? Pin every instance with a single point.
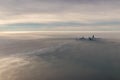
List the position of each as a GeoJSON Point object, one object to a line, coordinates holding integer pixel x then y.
{"type": "Point", "coordinates": [50, 31]}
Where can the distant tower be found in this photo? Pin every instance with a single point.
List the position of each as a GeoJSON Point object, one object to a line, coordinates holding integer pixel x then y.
{"type": "Point", "coordinates": [93, 37]}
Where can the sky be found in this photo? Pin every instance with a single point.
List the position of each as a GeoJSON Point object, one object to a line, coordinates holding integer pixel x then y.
{"type": "Point", "coordinates": [80, 15]}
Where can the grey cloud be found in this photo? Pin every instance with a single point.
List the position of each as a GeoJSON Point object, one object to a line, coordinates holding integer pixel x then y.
{"type": "Point", "coordinates": [53, 6]}
{"type": "Point", "coordinates": [65, 24]}
{"type": "Point", "coordinates": [88, 9]}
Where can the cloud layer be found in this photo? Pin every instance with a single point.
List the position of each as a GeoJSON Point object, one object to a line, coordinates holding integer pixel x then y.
{"type": "Point", "coordinates": [79, 12]}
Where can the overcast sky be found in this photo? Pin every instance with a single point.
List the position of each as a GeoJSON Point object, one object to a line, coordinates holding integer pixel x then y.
{"type": "Point", "coordinates": [60, 14]}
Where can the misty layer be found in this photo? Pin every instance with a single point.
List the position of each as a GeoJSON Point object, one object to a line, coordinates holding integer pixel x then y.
{"type": "Point", "coordinates": [58, 59]}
